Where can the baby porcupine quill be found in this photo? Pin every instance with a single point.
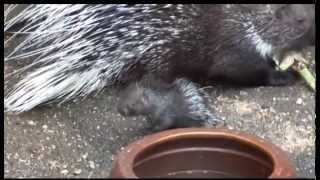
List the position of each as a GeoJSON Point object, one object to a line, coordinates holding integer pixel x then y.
{"type": "Point", "coordinates": [80, 49]}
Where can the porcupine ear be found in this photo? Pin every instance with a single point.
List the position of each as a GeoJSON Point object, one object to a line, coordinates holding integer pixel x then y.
{"type": "Point", "coordinates": [140, 90]}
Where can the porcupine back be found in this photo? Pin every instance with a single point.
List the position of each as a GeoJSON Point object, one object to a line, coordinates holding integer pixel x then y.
{"type": "Point", "coordinates": [83, 48]}
{"type": "Point", "coordinates": [79, 49]}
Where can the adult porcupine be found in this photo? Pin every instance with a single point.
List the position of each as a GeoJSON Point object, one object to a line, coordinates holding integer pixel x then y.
{"type": "Point", "coordinates": [83, 48]}
{"type": "Point", "coordinates": [167, 105]}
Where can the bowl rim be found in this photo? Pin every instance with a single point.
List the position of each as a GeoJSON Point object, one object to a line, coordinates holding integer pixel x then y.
{"type": "Point", "coordinates": [124, 162]}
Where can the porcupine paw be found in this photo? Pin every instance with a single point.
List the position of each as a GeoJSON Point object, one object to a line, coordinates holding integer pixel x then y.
{"type": "Point", "coordinates": [214, 122]}
{"type": "Point", "coordinates": [278, 78]}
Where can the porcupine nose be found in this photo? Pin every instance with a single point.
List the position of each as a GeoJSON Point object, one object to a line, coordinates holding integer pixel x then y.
{"type": "Point", "coordinates": [300, 20]}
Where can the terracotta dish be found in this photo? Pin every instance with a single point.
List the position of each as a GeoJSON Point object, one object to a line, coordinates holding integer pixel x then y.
{"type": "Point", "coordinates": [202, 153]}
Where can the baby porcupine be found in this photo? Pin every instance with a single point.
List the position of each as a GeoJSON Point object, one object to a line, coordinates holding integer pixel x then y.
{"type": "Point", "coordinates": [167, 105]}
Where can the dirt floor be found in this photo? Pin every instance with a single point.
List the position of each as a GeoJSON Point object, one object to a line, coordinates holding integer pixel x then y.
{"type": "Point", "coordinates": [82, 138]}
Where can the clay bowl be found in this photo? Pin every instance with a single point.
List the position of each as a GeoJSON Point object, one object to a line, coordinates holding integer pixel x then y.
{"type": "Point", "coordinates": [202, 153]}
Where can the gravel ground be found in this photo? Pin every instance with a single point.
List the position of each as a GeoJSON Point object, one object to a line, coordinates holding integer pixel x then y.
{"type": "Point", "coordinates": [81, 138]}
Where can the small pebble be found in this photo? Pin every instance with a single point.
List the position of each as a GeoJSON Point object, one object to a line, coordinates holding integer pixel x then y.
{"type": "Point", "coordinates": [44, 127]}
{"type": "Point", "coordinates": [77, 171]}
{"type": "Point", "coordinates": [91, 164]}
{"type": "Point", "coordinates": [85, 155]}
{"type": "Point", "coordinates": [230, 127]}
{"type": "Point", "coordinates": [64, 172]}
{"type": "Point", "coordinates": [31, 123]}
{"type": "Point", "coordinates": [299, 101]}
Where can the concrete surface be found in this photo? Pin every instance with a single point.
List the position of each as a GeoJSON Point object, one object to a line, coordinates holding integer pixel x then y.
{"type": "Point", "coordinates": [81, 138]}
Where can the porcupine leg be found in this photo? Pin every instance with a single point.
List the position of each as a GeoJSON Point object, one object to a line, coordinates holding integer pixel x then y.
{"type": "Point", "coordinates": [249, 71]}
{"type": "Point", "coordinates": [161, 123]}
{"type": "Point", "coordinates": [278, 78]}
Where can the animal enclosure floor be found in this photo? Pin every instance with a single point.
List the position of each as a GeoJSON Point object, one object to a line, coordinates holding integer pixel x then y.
{"type": "Point", "coordinates": [81, 139]}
